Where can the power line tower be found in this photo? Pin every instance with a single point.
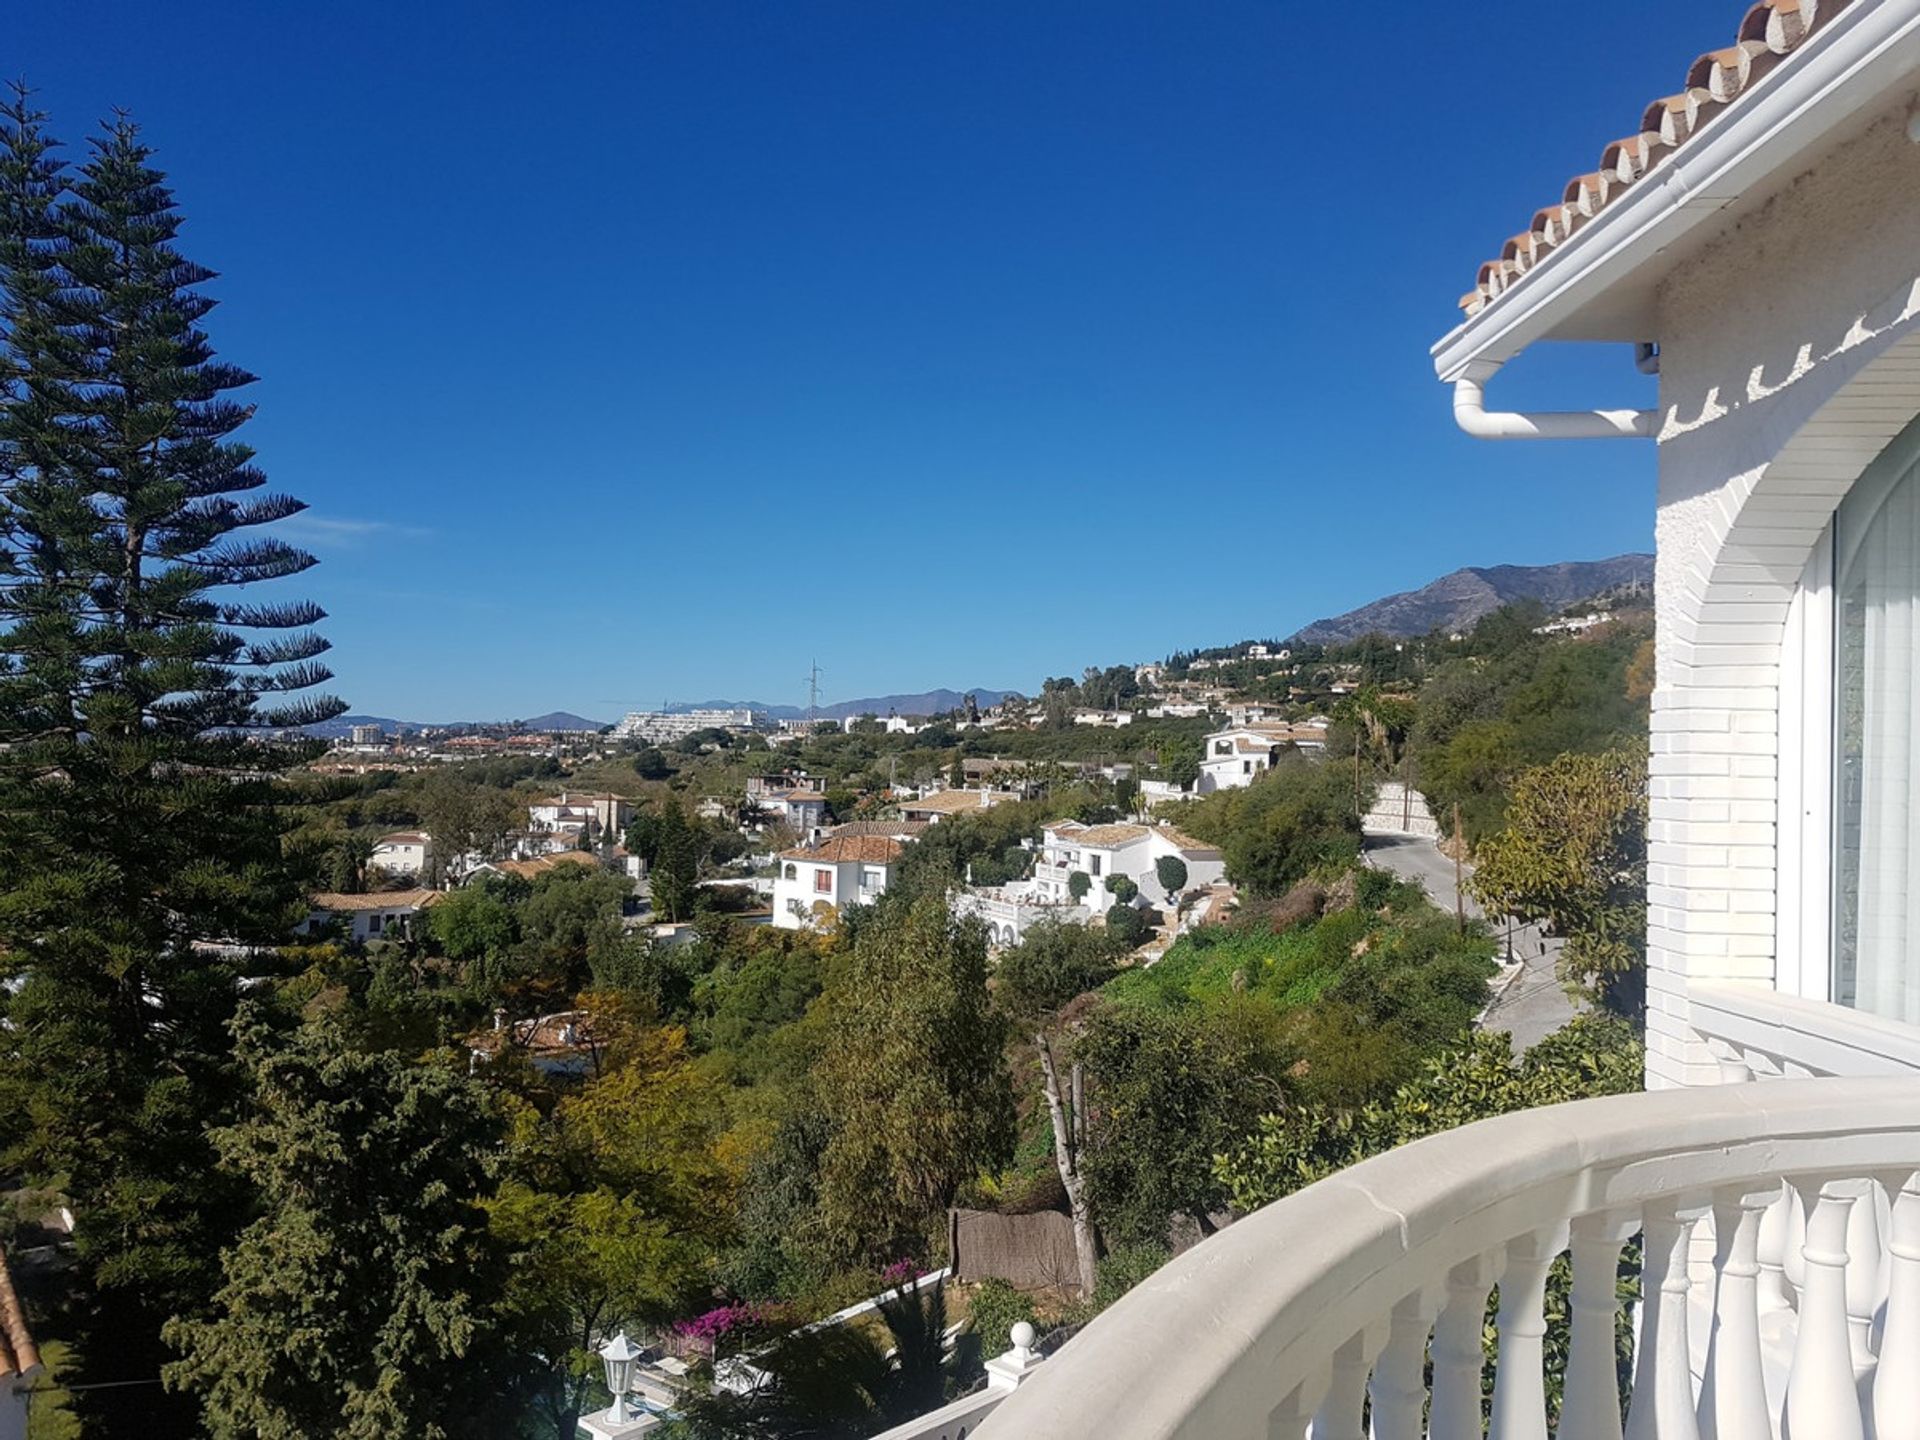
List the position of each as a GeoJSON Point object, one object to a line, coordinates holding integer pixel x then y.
{"type": "Point", "coordinates": [813, 695]}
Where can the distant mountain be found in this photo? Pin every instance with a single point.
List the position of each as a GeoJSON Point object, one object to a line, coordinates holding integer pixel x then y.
{"type": "Point", "coordinates": [1454, 602]}
{"type": "Point", "coordinates": [927, 702]}
{"type": "Point", "coordinates": [341, 726]}
{"type": "Point", "coordinates": [562, 720]}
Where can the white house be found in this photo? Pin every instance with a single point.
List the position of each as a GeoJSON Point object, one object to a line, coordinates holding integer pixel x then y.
{"type": "Point", "coordinates": [404, 852]}
{"type": "Point", "coordinates": [815, 882]}
{"type": "Point", "coordinates": [379, 915]}
{"type": "Point", "coordinates": [570, 812]}
{"type": "Point", "coordinates": [1102, 851]}
{"type": "Point", "coordinates": [804, 810]}
{"type": "Point", "coordinates": [1756, 235]}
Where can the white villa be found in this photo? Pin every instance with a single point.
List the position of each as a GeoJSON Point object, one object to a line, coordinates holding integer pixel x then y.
{"type": "Point", "coordinates": [569, 813]}
{"type": "Point", "coordinates": [379, 915]}
{"type": "Point", "coordinates": [1102, 851]}
{"type": "Point", "coordinates": [404, 852]}
{"type": "Point", "coordinates": [814, 882]}
{"type": "Point", "coordinates": [1237, 756]}
{"type": "Point", "coordinates": [1756, 235]}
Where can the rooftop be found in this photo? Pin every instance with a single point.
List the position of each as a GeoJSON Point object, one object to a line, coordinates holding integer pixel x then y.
{"type": "Point", "coordinates": [956, 802]}
{"type": "Point", "coordinates": [1769, 32]}
{"type": "Point", "coordinates": [417, 898]}
{"type": "Point", "coordinates": [839, 849]}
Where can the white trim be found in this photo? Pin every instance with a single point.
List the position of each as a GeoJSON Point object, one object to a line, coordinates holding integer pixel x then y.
{"type": "Point", "coordinates": [1799, 1037]}
{"type": "Point", "coordinates": [1854, 60]}
{"type": "Point", "coordinates": [1803, 945]}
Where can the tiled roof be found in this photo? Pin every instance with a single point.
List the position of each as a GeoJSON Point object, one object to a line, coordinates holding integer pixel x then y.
{"type": "Point", "coordinates": [1064, 827]}
{"type": "Point", "coordinates": [1180, 840]}
{"type": "Point", "coordinates": [415, 899]}
{"type": "Point", "coordinates": [899, 829]}
{"type": "Point", "coordinates": [1105, 837]}
{"type": "Point", "coordinates": [404, 837]}
{"type": "Point", "coordinates": [540, 865]}
{"type": "Point", "coordinates": [869, 849]}
{"type": "Point", "coordinates": [1771, 31]}
{"type": "Point", "coordinates": [18, 1354]}
{"type": "Point", "coordinates": [958, 802]}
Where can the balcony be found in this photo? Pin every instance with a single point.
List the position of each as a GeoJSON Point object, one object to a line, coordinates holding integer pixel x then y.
{"type": "Point", "coordinates": [1781, 1230]}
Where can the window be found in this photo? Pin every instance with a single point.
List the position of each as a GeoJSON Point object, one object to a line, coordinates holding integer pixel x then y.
{"type": "Point", "coordinates": [792, 872]}
{"type": "Point", "coordinates": [1094, 861]}
{"type": "Point", "coordinates": [1876, 739]}
{"type": "Point", "coordinates": [823, 882]}
{"type": "Point", "coordinates": [1223, 747]}
{"type": "Point", "coordinates": [873, 878]}
{"type": "Point", "coordinates": [1246, 767]}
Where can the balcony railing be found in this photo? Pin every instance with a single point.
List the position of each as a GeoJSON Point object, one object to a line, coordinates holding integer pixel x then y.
{"type": "Point", "coordinates": [1370, 1289]}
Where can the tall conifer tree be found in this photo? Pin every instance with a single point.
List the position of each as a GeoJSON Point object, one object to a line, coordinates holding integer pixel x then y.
{"type": "Point", "coordinates": [137, 818]}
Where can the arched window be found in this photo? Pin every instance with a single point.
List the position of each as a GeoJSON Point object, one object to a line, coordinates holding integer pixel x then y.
{"type": "Point", "coordinates": [792, 872]}
{"type": "Point", "coordinates": [1876, 730]}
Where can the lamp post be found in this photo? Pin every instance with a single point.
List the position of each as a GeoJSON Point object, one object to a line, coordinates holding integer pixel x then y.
{"type": "Point", "coordinates": [618, 1355]}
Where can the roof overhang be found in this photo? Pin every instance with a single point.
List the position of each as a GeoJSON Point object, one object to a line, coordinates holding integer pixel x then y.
{"type": "Point", "coordinates": [1602, 284]}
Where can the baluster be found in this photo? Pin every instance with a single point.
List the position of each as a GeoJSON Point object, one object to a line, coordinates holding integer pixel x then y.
{"type": "Point", "coordinates": [1519, 1382]}
{"type": "Point", "coordinates": [1822, 1403]}
{"type": "Point", "coordinates": [1864, 1262]}
{"type": "Point", "coordinates": [1733, 1392]}
{"type": "Point", "coordinates": [1776, 1228]}
{"type": "Point", "coordinates": [1399, 1387]}
{"type": "Point", "coordinates": [1288, 1419]}
{"type": "Point", "coordinates": [1590, 1404]}
{"type": "Point", "coordinates": [1457, 1358]}
{"type": "Point", "coordinates": [1339, 1415]}
{"type": "Point", "coordinates": [1896, 1382]}
{"type": "Point", "coordinates": [1662, 1407]}
{"type": "Point", "coordinates": [1795, 1265]}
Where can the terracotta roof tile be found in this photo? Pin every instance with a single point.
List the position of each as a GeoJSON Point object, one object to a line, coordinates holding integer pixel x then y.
{"type": "Point", "coordinates": [837, 850]}
{"type": "Point", "coordinates": [416, 899]}
{"type": "Point", "coordinates": [1769, 32]}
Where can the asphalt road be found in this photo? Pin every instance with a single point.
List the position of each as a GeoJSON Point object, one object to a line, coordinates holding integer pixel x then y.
{"type": "Point", "coordinates": [1531, 1004]}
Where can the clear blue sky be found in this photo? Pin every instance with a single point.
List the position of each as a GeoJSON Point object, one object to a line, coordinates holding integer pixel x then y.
{"type": "Point", "coordinates": [631, 351]}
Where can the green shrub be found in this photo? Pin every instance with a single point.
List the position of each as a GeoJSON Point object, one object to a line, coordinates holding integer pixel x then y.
{"type": "Point", "coordinates": [994, 1308]}
{"type": "Point", "coordinates": [1078, 884]}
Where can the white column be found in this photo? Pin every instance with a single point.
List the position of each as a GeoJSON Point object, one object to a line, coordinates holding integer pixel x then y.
{"type": "Point", "coordinates": [1822, 1403]}
{"type": "Point", "coordinates": [1662, 1407]}
{"type": "Point", "coordinates": [1457, 1357]}
{"type": "Point", "coordinates": [1896, 1382]}
{"type": "Point", "coordinates": [1590, 1403]}
{"type": "Point", "coordinates": [1865, 1259]}
{"type": "Point", "coordinates": [1733, 1393]}
{"type": "Point", "coordinates": [1776, 1234]}
{"type": "Point", "coordinates": [1399, 1389]}
{"type": "Point", "coordinates": [1339, 1415]}
{"type": "Point", "coordinates": [1288, 1420]}
{"type": "Point", "coordinates": [1519, 1382]}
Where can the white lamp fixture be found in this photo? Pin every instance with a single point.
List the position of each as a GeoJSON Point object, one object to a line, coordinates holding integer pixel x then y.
{"type": "Point", "coordinates": [618, 1355]}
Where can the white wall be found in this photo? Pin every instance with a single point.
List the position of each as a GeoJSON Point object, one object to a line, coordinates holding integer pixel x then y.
{"type": "Point", "coordinates": [1790, 355]}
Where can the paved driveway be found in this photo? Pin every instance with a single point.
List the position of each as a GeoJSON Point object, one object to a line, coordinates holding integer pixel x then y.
{"type": "Point", "coordinates": [1530, 1003]}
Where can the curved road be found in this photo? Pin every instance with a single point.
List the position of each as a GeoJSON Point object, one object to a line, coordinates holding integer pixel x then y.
{"type": "Point", "coordinates": [1530, 1003]}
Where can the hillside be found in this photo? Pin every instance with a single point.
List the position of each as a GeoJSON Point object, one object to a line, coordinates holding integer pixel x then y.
{"type": "Point", "coordinates": [926, 702]}
{"type": "Point", "coordinates": [1455, 601]}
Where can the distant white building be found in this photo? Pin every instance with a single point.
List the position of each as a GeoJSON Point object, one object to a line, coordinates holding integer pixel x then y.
{"type": "Point", "coordinates": [567, 814]}
{"type": "Point", "coordinates": [366, 735]}
{"type": "Point", "coordinates": [1574, 624]}
{"type": "Point", "coordinates": [660, 727]}
{"type": "Point", "coordinates": [815, 882]}
{"type": "Point", "coordinates": [1102, 851]}
{"type": "Point", "coordinates": [1113, 719]}
{"type": "Point", "coordinates": [382, 915]}
{"type": "Point", "coordinates": [1239, 755]}
{"type": "Point", "coordinates": [404, 852]}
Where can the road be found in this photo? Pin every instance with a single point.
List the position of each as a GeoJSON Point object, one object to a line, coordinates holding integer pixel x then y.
{"type": "Point", "coordinates": [1530, 1003]}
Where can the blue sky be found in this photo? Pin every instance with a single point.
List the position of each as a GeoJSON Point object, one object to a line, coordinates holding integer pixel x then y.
{"type": "Point", "coordinates": [643, 351]}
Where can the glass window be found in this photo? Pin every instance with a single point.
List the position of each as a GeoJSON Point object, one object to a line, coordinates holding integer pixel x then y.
{"type": "Point", "coordinates": [823, 882]}
{"type": "Point", "coordinates": [1876, 734]}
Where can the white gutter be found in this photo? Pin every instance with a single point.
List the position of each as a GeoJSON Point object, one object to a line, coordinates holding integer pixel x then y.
{"type": "Point", "coordinates": [1471, 415]}
{"type": "Point", "coordinates": [1856, 59]}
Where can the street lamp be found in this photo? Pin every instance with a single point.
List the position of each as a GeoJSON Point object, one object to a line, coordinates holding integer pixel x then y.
{"type": "Point", "coordinates": [618, 1355]}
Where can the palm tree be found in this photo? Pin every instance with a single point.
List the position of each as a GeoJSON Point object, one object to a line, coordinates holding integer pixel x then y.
{"type": "Point", "coordinates": [841, 1382]}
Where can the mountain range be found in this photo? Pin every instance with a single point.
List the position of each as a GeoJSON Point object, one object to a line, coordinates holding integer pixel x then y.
{"type": "Point", "coordinates": [1453, 602]}
{"type": "Point", "coordinates": [1456, 601]}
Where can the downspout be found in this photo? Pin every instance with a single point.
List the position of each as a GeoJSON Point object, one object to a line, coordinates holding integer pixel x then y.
{"type": "Point", "coordinates": [1471, 414]}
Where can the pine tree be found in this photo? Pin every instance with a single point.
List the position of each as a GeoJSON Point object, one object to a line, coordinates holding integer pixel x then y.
{"type": "Point", "coordinates": [136, 818]}
{"type": "Point", "coordinates": [364, 1302]}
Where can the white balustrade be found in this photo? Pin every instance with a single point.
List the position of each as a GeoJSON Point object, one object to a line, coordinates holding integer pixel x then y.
{"type": "Point", "coordinates": [1356, 1309]}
